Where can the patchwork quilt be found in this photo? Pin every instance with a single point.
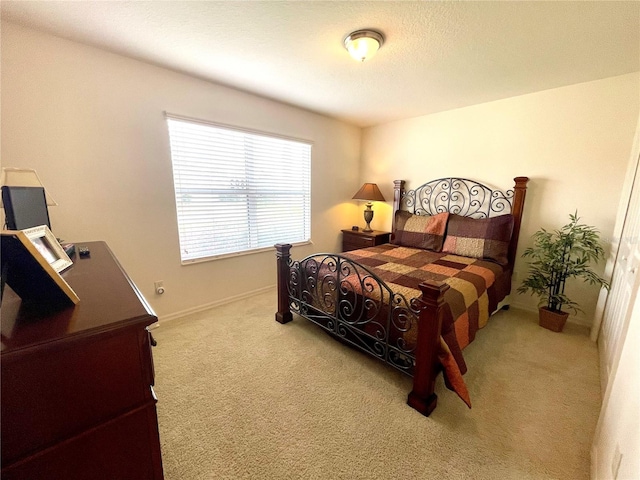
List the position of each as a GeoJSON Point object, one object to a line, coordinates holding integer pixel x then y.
{"type": "Point", "coordinates": [477, 286]}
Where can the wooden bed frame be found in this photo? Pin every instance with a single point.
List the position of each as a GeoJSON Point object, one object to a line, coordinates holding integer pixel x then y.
{"type": "Point", "coordinates": [455, 195]}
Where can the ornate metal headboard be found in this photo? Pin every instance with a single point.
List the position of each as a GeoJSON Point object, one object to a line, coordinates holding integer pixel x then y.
{"type": "Point", "coordinates": [463, 197]}
{"type": "Point", "coordinates": [457, 195]}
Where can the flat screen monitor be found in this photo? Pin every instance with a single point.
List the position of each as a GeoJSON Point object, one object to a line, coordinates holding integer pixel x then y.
{"type": "Point", "coordinates": [25, 207]}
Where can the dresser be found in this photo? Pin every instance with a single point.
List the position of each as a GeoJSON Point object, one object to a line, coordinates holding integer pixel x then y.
{"type": "Point", "coordinates": [77, 384]}
{"type": "Point", "coordinates": [354, 239]}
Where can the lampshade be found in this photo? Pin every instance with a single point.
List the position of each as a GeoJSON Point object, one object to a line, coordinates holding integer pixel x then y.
{"type": "Point", "coordinates": [23, 177]}
{"type": "Point", "coordinates": [369, 191]}
{"type": "Point", "coordinates": [363, 44]}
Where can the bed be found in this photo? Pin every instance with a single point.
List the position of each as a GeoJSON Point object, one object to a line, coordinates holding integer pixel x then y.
{"type": "Point", "coordinates": [418, 301]}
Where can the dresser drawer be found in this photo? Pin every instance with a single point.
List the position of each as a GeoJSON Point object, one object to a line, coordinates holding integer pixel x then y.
{"type": "Point", "coordinates": [56, 392]}
{"type": "Point", "coordinates": [359, 242]}
{"type": "Point", "coordinates": [352, 240]}
{"type": "Point", "coordinates": [122, 448]}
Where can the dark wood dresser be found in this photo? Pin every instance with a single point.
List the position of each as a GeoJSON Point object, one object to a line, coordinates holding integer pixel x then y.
{"type": "Point", "coordinates": [77, 396]}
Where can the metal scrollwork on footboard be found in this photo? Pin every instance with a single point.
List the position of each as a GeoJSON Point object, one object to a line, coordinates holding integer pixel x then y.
{"type": "Point", "coordinates": [349, 301]}
{"type": "Point", "coordinates": [459, 196]}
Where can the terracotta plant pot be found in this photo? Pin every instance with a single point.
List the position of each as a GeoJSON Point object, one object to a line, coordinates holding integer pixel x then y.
{"type": "Point", "coordinates": [552, 320]}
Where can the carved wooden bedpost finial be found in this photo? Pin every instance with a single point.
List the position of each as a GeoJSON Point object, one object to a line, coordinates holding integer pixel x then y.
{"type": "Point", "coordinates": [283, 257]}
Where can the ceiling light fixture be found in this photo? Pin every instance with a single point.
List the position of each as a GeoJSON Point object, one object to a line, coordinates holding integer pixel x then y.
{"type": "Point", "coordinates": [363, 44]}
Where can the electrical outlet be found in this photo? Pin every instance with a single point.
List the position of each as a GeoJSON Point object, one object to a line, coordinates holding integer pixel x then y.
{"type": "Point", "coordinates": [159, 287]}
{"type": "Point", "coordinates": [616, 461]}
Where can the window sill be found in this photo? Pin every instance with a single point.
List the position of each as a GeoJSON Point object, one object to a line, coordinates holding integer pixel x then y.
{"type": "Point", "coordinates": [238, 254]}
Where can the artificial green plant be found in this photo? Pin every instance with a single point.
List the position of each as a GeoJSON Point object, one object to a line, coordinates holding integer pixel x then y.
{"type": "Point", "coordinates": [558, 256]}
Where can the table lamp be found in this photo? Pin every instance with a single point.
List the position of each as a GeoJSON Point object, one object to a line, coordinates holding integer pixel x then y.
{"type": "Point", "coordinates": [23, 177]}
{"type": "Point", "coordinates": [371, 193]}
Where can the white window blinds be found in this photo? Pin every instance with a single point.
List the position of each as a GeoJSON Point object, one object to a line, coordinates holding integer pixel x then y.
{"type": "Point", "coordinates": [237, 191]}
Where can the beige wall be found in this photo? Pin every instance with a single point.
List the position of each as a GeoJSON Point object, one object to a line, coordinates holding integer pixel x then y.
{"type": "Point", "coordinates": [573, 143]}
{"type": "Point", "coordinates": [91, 123]}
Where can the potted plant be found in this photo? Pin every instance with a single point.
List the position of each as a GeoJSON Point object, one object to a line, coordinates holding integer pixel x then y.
{"type": "Point", "coordinates": [556, 257]}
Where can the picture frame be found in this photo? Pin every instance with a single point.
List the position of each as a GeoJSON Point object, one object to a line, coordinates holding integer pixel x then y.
{"type": "Point", "coordinates": [32, 260]}
{"type": "Point", "coordinates": [47, 244]}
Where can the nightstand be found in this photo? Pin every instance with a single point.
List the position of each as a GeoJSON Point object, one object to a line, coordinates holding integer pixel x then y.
{"type": "Point", "coordinates": [354, 239]}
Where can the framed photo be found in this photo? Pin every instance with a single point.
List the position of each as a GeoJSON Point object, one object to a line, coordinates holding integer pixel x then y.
{"type": "Point", "coordinates": [32, 261]}
{"type": "Point", "coordinates": [48, 246]}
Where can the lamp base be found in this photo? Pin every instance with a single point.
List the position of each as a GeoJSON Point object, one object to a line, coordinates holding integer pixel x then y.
{"type": "Point", "coordinates": [368, 216]}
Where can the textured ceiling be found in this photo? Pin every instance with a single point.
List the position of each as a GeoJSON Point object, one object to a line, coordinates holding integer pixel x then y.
{"type": "Point", "coordinates": [437, 56]}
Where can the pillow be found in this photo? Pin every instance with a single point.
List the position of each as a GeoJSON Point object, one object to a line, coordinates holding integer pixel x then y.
{"type": "Point", "coordinates": [486, 238]}
{"type": "Point", "coordinates": [420, 231]}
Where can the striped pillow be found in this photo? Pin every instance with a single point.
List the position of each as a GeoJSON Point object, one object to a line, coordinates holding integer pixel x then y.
{"type": "Point", "coordinates": [486, 238]}
{"type": "Point", "coordinates": [420, 231]}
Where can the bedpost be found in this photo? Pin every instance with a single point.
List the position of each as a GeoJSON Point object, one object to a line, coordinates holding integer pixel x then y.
{"type": "Point", "coordinates": [398, 191]}
{"type": "Point", "coordinates": [423, 397]}
{"type": "Point", "coordinates": [520, 191]}
{"type": "Point", "coordinates": [283, 257]}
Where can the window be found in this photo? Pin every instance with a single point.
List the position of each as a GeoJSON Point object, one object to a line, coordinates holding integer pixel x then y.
{"type": "Point", "coordinates": [237, 191]}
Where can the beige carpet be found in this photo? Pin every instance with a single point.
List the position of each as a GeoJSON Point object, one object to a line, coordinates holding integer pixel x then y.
{"type": "Point", "coordinates": [241, 396]}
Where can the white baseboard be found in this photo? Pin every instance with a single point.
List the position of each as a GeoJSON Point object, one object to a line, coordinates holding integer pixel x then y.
{"type": "Point", "coordinates": [172, 316]}
{"type": "Point", "coordinates": [207, 306]}
{"type": "Point", "coordinates": [576, 320]}
{"type": "Point", "coordinates": [604, 367]}
{"type": "Point", "coordinates": [524, 306]}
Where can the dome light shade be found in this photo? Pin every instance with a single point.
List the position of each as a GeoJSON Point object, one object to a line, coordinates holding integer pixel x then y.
{"type": "Point", "coordinates": [363, 44]}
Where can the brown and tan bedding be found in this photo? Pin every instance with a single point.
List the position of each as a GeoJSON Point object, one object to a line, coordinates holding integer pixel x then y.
{"type": "Point", "coordinates": [477, 287]}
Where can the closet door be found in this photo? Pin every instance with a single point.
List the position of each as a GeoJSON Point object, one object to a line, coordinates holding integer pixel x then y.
{"type": "Point", "coordinates": [625, 271]}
